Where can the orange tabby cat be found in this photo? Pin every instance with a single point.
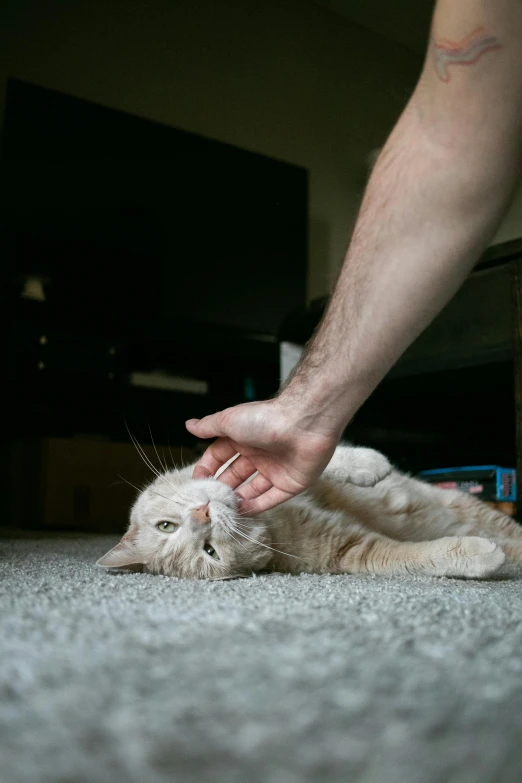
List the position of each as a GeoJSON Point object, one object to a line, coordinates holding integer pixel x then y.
{"type": "Point", "coordinates": [361, 516]}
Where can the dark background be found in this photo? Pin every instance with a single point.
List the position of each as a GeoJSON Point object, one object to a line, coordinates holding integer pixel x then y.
{"type": "Point", "coordinates": [161, 250]}
{"type": "Point", "coordinates": [158, 251]}
{"type": "Point", "coordinates": [169, 251]}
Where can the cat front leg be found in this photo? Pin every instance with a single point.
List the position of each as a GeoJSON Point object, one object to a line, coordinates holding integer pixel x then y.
{"type": "Point", "coordinates": [465, 557]}
{"type": "Point", "coordinates": [356, 465]}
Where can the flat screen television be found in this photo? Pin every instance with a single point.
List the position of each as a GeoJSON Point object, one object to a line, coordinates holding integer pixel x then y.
{"type": "Point", "coordinates": [140, 220]}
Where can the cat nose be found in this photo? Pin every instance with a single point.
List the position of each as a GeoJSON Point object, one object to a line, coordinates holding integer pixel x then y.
{"type": "Point", "coordinates": [201, 514]}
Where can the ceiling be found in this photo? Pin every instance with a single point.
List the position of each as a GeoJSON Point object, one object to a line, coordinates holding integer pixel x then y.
{"type": "Point", "coordinates": [404, 21]}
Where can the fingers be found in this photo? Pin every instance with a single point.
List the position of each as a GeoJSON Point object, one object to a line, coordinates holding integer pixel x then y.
{"type": "Point", "coordinates": [254, 488]}
{"type": "Point", "coordinates": [237, 472]}
{"type": "Point", "coordinates": [267, 500]}
{"type": "Point", "coordinates": [207, 427]}
{"type": "Point", "coordinates": [214, 458]}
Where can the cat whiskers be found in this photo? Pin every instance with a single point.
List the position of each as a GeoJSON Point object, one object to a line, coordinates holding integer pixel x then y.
{"type": "Point", "coordinates": [259, 543]}
{"type": "Point", "coordinates": [208, 570]}
{"type": "Point", "coordinates": [244, 515]}
{"type": "Point", "coordinates": [163, 466]}
{"type": "Point", "coordinates": [265, 524]}
{"type": "Point", "coordinates": [185, 501]}
{"type": "Point", "coordinates": [216, 564]}
{"type": "Point", "coordinates": [279, 543]}
{"type": "Point", "coordinates": [151, 466]}
{"type": "Point", "coordinates": [174, 466]}
{"type": "Point", "coordinates": [176, 503]}
{"type": "Point", "coordinates": [225, 526]}
{"type": "Point", "coordinates": [142, 454]}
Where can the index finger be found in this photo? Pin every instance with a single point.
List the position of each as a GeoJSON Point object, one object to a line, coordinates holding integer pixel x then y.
{"type": "Point", "coordinates": [214, 458]}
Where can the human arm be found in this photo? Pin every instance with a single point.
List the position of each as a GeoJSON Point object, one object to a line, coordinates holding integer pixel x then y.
{"type": "Point", "coordinates": [436, 195]}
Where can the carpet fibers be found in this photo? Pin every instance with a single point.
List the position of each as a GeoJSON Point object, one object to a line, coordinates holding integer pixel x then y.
{"type": "Point", "coordinates": [109, 677]}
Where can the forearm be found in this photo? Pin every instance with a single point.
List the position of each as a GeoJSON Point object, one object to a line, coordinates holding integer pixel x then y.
{"type": "Point", "coordinates": [433, 202]}
{"type": "Point", "coordinates": [426, 217]}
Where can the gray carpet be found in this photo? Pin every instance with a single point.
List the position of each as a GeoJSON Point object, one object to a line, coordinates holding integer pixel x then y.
{"type": "Point", "coordinates": [340, 679]}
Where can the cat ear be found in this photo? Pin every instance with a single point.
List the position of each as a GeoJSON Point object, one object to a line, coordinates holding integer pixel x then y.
{"type": "Point", "coordinates": [126, 553]}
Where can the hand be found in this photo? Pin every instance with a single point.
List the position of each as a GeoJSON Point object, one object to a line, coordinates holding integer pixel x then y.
{"type": "Point", "coordinates": [273, 438]}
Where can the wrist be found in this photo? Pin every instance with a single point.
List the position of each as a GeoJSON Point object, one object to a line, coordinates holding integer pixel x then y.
{"type": "Point", "coordinates": [323, 411]}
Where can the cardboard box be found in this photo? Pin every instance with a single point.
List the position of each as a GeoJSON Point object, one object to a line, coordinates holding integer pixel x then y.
{"type": "Point", "coordinates": [81, 483]}
{"type": "Point", "coordinates": [505, 506]}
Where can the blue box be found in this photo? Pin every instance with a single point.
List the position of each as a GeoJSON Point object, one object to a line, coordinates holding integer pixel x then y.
{"type": "Point", "coordinates": [487, 482]}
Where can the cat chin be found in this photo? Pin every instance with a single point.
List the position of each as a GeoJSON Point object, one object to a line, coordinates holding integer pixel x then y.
{"type": "Point", "coordinates": [217, 491]}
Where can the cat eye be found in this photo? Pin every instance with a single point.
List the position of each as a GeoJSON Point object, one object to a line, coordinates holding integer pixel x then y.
{"type": "Point", "coordinates": [167, 527]}
{"type": "Point", "coordinates": [211, 551]}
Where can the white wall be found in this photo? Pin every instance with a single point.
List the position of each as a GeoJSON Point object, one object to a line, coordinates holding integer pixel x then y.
{"type": "Point", "coordinates": [281, 77]}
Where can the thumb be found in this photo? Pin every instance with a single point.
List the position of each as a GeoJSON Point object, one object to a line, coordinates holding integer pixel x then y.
{"type": "Point", "coordinates": [207, 427]}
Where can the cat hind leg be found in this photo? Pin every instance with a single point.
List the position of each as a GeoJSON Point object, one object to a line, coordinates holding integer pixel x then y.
{"type": "Point", "coordinates": [469, 557]}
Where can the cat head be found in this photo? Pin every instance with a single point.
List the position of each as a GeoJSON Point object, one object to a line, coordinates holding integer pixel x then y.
{"type": "Point", "coordinates": [191, 529]}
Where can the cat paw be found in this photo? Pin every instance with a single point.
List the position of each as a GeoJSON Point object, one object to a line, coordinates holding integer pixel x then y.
{"type": "Point", "coordinates": [357, 465]}
{"type": "Point", "coordinates": [472, 557]}
{"type": "Point", "coordinates": [368, 468]}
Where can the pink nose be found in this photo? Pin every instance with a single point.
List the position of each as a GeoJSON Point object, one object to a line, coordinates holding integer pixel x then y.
{"type": "Point", "coordinates": [201, 514]}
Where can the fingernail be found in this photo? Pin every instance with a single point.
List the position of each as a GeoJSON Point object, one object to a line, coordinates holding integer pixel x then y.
{"type": "Point", "coordinates": [191, 421]}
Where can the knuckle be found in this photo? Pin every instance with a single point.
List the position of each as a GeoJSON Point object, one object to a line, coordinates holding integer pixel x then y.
{"type": "Point", "coordinates": [224, 416]}
{"type": "Point", "coordinates": [236, 473]}
{"type": "Point", "coordinates": [212, 451]}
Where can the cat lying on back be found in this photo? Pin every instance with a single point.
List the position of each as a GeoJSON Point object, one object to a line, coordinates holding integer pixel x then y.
{"type": "Point", "coordinates": [359, 517]}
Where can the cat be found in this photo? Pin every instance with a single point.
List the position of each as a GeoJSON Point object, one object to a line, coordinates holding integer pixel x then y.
{"type": "Point", "coordinates": [361, 517]}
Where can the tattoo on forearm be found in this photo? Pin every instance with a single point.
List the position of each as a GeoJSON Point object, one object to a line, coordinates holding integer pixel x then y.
{"type": "Point", "coordinates": [465, 52]}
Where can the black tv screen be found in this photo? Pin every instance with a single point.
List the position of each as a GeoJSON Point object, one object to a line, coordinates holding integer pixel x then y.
{"type": "Point", "coordinates": [142, 220]}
